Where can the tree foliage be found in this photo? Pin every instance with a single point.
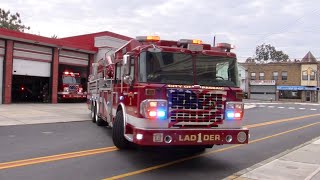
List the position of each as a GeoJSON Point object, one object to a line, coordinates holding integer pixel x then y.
{"type": "Point", "coordinates": [11, 21]}
{"type": "Point", "coordinates": [268, 53]}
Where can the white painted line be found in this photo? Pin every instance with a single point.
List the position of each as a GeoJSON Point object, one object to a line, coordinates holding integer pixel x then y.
{"type": "Point", "coordinates": [302, 108]}
{"type": "Point", "coordinates": [47, 132]}
{"type": "Point", "coordinates": [313, 174]}
{"type": "Point", "coordinates": [280, 107]}
{"type": "Point", "coordinates": [291, 108]}
{"type": "Point", "coordinates": [261, 106]}
{"type": "Point", "coordinates": [313, 109]}
{"type": "Point", "coordinates": [270, 106]}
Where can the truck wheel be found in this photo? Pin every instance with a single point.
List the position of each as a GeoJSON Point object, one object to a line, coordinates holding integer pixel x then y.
{"type": "Point", "coordinates": [93, 113]}
{"type": "Point", "coordinates": [118, 132]}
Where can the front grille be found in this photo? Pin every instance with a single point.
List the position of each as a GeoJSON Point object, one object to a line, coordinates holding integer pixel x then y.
{"type": "Point", "coordinates": [196, 107]}
{"type": "Point", "coordinates": [73, 88]}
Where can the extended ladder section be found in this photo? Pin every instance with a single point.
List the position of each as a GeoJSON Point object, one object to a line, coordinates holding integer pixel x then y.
{"type": "Point", "coordinates": [101, 84]}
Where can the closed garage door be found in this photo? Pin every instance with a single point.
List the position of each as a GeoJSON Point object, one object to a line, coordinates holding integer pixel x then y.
{"type": "Point", "coordinates": [263, 92]}
{"type": "Point", "coordinates": [31, 60]}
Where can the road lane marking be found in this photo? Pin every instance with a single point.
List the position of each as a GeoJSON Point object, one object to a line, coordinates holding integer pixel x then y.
{"type": "Point", "coordinates": [280, 121]}
{"type": "Point", "coordinates": [43, 159]}
{"type": "Point", "coordinates": [281, 107]}
{"type": "Point", "coordinates": [313, 109]}
{"type": "Point", "coordinates": [204, 154]}
{"type": "Point", "coordinates": [291, 108]}
{"type": "Point", "coordinates": [302, 108]}
{"type": "Point", "coordinates": [57, 157]}
{"type": "Point", "coordinates": [270, 106]}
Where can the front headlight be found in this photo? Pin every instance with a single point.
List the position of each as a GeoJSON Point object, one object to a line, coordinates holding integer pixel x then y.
{"type": "Point", "coordinates": [66, 89]}
{"type": "Point", "coordinates": [154, 108]}
{"type": "Point", "coordinates": [234, 110]}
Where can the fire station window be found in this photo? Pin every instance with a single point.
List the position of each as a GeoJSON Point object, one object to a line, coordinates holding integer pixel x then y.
{"type": "Point", "coordinates": [261, 76]}
{"type": "Point", "coordinates": [312, 76]}
{"type": "Point", "coordinates": [284, 75]}
{"type": "Point", "coordinates": [253, 76]}
{"type": "Point", "coordinates": [304, 75]}
{"type": "Point", "coordinates": [275, 75]}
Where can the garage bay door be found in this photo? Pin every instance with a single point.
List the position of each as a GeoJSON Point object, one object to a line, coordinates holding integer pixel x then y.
{"type": "Point", "coordinates": [73, 58]}
{"type": "Point", "coordinates": [31, 60]}
{"type": "Point", "coordinates": [263, 92]}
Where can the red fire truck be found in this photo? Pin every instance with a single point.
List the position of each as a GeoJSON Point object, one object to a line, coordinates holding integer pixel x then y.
{"type": "Point", "coordinates": [70, 87]}
{"type": "Point", "coordinates": [156, 92]}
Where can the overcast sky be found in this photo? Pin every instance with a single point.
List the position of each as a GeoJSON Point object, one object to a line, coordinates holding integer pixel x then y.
{"type": "Point", "coordinates": [290, 25]}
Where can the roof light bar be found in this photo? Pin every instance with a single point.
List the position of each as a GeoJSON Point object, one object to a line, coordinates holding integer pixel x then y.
{"type": "Point", "coordinates": [190, 41]}
{"type": "Point", "coordinates": [148, 38]}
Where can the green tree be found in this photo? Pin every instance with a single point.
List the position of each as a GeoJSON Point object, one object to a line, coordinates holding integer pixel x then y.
{"type": "Point", "coordinates": [11, 21]}
{"type": "Point", "coordinates": [268, 53]}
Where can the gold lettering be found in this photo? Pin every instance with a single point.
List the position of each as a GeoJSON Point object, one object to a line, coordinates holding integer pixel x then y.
{"type": "Point", "coordinates": [186, 138]}
{"type": "Point", "coordinates": [193, 138]}
{"type": "Point", "coordinates": [180, 138]}
{"type": "Point", "coordinates": [217, 137]}
{"type": "Point", "coordinates": [211, 137]}
{"type": "Point", "coordinates": [206, 137]}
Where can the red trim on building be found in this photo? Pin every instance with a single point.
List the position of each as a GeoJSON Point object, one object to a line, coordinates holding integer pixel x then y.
{"type": "Point", "coordinates": [88, 39]}
{"type": "Point", "coordinates": [40, 40]}
{"type": "Point", "coordinates": [55, 72]}
{"type": "Point", "coordinates": [31, 59]}
{"type": "Point", "coordinates": [32, 51]}
{"type": "Point", "coordinates": [8, 72]}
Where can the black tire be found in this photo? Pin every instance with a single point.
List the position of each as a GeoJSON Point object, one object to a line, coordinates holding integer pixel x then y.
{"type": "Point", "coordinates": [93, 113]}
{"type": "Point", "coordinates": [118, 132]}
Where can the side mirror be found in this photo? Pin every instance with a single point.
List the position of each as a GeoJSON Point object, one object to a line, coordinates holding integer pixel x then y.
{"type": "Point", "coordinates": [126, 65]}
{"type": "Point", "coordinates": [127, 79]}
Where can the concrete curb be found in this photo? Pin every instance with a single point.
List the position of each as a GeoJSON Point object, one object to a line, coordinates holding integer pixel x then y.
{"type": "Point", "coordinates": [262, 163]}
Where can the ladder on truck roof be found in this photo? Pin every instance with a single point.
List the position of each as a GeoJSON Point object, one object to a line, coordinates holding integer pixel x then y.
{"type": "Point", "coordinates": [100, 84]}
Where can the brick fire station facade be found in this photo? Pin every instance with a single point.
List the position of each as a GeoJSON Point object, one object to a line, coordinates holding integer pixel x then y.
{"type": "Point", "coordinates": [38, 60]}
{"type": "Point", "coordinates": [292, 81]}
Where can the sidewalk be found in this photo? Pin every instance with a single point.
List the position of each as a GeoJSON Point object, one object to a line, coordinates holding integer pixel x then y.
{"type": "Point", "coordinates": [300, 163]}
{"type": "Point", "coordinates": [19, 114]}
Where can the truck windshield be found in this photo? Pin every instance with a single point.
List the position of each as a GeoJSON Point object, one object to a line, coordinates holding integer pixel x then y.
{"type": "Point", "coordinates": [166, 67]}
{"type": "Point", "coordinates": [177, 68]}
{"type": "Point", "coordinates": [216, 71]}
{"type": "Point", "coordinates": [70, 80]}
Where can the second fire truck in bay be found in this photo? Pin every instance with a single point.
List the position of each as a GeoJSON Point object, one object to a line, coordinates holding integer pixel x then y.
{"type": "Point", "coordinates": [156, 92]}
{"type": "Point", "coordinates": [70, 87]}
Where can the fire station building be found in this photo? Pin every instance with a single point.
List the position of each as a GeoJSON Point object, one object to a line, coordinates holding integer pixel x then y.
{"type": "Point", "coordinates": [30, 62]}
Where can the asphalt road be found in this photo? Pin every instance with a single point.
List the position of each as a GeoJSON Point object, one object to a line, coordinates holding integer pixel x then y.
{"type": "Point", "coordinates": [33, 141]}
